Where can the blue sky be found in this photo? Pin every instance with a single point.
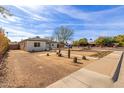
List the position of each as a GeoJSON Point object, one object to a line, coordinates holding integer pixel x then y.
{"type": "Point", "coordinates": [86, 21]}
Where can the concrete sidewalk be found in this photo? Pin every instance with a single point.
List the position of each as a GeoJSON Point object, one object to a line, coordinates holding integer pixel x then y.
{"type": "Point", "coordinates": [97, 74]}
{"type": "Point", "coordinates": [106, 65]}
{"type": "Point", "coordinates": [83, 79]}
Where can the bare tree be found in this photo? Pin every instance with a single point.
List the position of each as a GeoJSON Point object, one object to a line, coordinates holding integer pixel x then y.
{"type": "Point", "coordinates": [49, 38]}
{"type": "Point", "coordinates": [63, 34]}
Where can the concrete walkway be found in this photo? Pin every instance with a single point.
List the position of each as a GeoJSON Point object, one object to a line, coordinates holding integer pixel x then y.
{"type": "Point", "coordinates": [106, 65]}
{"type": "Point", "coordinates": [97, 74]}
{"type": "Point", "coordinates": [83, 78]}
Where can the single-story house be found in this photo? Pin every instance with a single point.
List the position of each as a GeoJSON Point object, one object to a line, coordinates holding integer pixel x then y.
{"type": "Point", "coordinates": [37, 44]}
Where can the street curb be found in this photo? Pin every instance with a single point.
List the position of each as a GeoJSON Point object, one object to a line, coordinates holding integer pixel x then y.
{"type": "Point", "coordinates": [117, 71]}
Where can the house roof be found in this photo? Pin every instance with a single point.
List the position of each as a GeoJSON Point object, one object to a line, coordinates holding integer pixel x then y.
{"type": "Point", "coordinates": [38, 39]}
{"type": "Point", "coordinates": [13, 43]}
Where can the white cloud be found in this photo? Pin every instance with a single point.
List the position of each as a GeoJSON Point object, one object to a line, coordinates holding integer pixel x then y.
{"type": "Point", "coordinates": [10, 19]}
{"type": "Point", "coordinates": [105, 22]}
{"type": "Point", "coordinates": [34, 11]}
{"type": "Point", "coordinates": [16, 33]}
{"type": "Point", "coordinates": [94, 17]}
{"type": "Point", "coordinates": [13, 19]}
{"type": "Point", "coordinates": [4, 21]}
{"type": "Point", "coordinates": [74, 13]}
{"type": "Point", "coordinates": [48, 31]}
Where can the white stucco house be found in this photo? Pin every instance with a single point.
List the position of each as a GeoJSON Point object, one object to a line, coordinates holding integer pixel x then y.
{"type": "Point", "coordinates": [37, 44]}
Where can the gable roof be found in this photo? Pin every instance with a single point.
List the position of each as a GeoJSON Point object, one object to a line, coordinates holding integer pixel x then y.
{"type": "Point", "coordinates": [38, 39]}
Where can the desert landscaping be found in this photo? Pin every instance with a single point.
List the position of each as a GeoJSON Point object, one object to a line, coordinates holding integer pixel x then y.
{"type": "Point", "coordinates": [23, 69]}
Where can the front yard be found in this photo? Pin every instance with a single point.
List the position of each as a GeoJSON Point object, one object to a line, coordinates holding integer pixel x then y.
{"type": "Point", "coordinates": [24, 69]}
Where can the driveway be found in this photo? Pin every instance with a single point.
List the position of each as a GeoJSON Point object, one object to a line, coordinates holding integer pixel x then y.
{"type": "Point", "coordinates": [31, 70]}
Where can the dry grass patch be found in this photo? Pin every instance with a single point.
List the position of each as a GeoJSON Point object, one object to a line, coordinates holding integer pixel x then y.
{"type": "Point", "coordinates": [101, 54]}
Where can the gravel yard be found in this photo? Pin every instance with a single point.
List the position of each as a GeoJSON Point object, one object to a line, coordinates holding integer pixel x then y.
{"type": "Point", "coordinates": [24, 69]}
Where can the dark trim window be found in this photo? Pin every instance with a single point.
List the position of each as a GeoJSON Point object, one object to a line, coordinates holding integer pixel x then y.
{"type": "Point", "coordinates": [52, 44]}
{"type": "Point", "coordinates": [36, 44]}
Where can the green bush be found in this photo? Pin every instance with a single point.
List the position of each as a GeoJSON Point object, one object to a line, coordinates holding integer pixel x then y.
{"type": "Point", "coordinates": [121, 44]}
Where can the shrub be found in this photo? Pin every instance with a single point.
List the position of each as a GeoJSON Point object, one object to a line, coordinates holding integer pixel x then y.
{"type": "Point", "coordinates": [59, 55]}
{"type": "Point", "coordinates": [3, 44]}
{"type": "Point", "coordinates": [84, 58]}
{"type": "Point", "coordinates": [75, 60]}
{"type": "Point", "coordinates": [121, 44]}
{"type": "Point", "coordinates": [47, 54]}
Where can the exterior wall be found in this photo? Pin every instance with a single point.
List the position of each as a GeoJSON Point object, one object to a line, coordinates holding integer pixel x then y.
{"type": "Point", "coordinates": [47, 46]}
{"type": "Point", "coordinates": [14, 47]}
{"type": "Point", "coordinates": [30, 46]}
{"type": "Point", "coordinates": [23, 45]}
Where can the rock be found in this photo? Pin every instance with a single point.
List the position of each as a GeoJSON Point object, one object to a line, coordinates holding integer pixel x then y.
{"type": "Point", "coordinates": [59, 55]}
{"type": "Point", "coordinates": [48, 54]}
{"type": "Point", "coordinates": [75, 60]}
{"type": "Point", "coordinates": [84, 58]}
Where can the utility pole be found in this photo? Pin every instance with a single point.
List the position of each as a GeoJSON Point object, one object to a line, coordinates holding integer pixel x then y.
{"type": "Point", "coordinates": [7, 34]}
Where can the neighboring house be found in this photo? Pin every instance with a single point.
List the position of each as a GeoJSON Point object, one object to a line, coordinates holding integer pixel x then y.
{"type": "Point", "coordinates": [37, 44]}
{"type": "Point", "coordinates": [53, 45]}
{"type": "Point", "coordinates": [92, 44]}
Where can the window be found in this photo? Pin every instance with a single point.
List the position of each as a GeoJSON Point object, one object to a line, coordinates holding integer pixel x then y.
{"type": "Point", "coordinates": [37, 44]}
{"type": "Point", "coordinates": [52, 44]}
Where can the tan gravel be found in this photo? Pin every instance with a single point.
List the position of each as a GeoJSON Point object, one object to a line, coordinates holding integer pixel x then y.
{"type": "Point", "coordinates": [35, 70]}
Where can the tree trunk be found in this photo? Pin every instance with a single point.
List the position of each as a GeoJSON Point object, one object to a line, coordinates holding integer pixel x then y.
{"type": "Point", "coordinates": [69, 52]}
{"type": "Point", "coordinates": [59, 49]}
